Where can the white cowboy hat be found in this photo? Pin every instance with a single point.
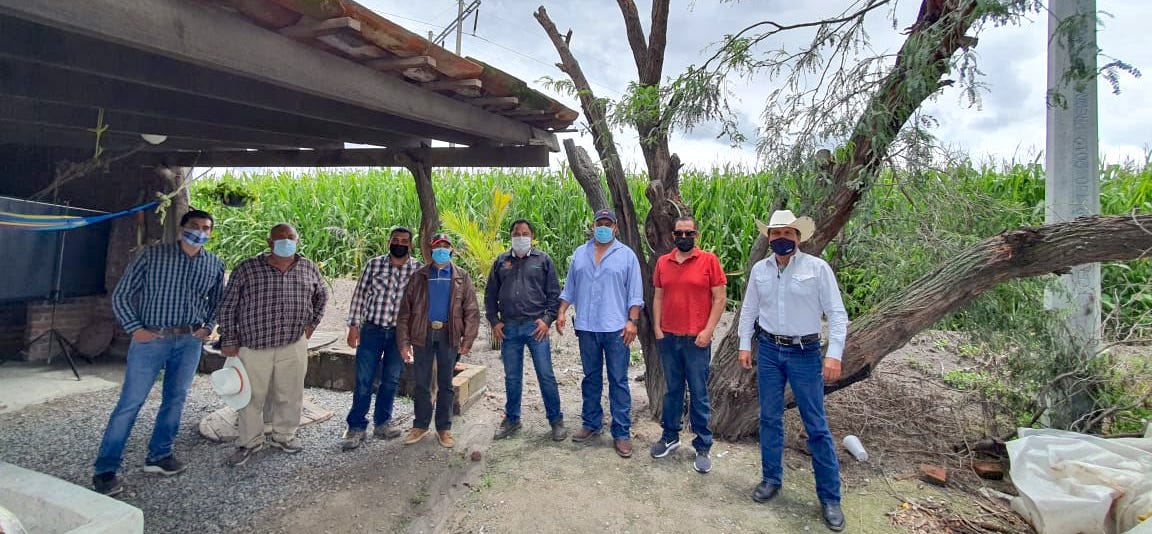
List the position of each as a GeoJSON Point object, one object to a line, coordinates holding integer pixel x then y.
{"type": "Point", "coordinates": [785, 219]}
{"type": "Point", "coordinates": [231, 383]}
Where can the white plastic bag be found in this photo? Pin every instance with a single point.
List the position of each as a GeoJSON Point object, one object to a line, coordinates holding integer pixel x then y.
{"type": "Point", "coordinates": [1072, 483]}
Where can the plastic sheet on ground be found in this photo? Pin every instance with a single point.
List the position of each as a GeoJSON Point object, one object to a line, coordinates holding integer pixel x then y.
{"type": "Point", "coordinates": [1072, 483]}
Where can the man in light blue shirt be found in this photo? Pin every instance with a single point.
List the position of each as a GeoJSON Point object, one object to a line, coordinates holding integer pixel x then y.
{"type": "Point", "coordinates": [605, 287]}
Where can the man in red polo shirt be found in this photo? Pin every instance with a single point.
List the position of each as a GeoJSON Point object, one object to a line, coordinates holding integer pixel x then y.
{"type": "Point", "coordinates": [689, 300]}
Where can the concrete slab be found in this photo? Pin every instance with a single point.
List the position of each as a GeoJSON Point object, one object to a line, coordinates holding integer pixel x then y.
{"type": "Point", "coordinates": [29, 383]}
{"type": "Point", "coordinates": [47, 504]}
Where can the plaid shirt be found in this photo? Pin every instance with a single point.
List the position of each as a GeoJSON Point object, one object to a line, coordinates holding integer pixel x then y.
{"type": "Point", "coordinates": [164, 287]}
{"type": "Point", "coordinates": [264, 308]}
{"type": "Point", "coordinates": [378, 293]}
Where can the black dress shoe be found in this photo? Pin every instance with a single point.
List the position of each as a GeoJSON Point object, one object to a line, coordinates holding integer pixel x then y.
{"type": "Point", "coordinates": [765, 492]}
{"type": "Point", "coordinates": [833, 517]}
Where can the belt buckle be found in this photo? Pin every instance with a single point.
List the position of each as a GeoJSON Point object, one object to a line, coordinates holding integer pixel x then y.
{"type": "Point", "coordinates": [797, 340]}
{"type": "Point", "coordinates": [437, 325]}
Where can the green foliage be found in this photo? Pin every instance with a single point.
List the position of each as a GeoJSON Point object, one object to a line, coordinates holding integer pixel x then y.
{"type": "Point", "coordinates": [906, 226]}
{"type": "Point", "coordinates": [479, 244]}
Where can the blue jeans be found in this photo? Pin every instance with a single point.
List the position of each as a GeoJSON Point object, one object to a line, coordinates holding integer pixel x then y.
{"type": "Point", "coordinates": [178, 356]}
{"type": "Point", "coordinates": [516, 336]}
{"type": "Point", "coordinates": [803, 369]}
{"type": "Point", "coordinates": [597, 351]}
{"type": "Point", "coordinates": [684, 362]}
{"type": "Point", "coordinates": [376, 356]}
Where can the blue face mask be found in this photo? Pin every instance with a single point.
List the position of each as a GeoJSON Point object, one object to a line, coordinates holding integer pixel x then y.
{"type": "Point", "coordinates": [783, 246]}
{"type": "Point", "coordinates": [602, 234]}
{"type": "Point", "coordinates": [194, 238]}
{"type": "Point", "coordinates": [284, 248]}
{"type": "Point", "coordinates": [441, 255]}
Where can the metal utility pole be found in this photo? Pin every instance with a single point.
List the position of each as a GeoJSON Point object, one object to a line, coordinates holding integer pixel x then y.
{"type": "Point", "coordinates": [1072, 187]}
{"type": "Point", "coordinates": [462, 12]}
{"type": "Point", "coordinates": [459, 24]}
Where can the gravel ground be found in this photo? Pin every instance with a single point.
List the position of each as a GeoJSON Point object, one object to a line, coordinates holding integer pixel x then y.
{"type": "Point", "coordinates": [61, 439]}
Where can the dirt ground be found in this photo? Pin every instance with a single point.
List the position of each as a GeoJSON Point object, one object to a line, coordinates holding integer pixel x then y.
{"type": "Point", "coordinates": [528, 483]}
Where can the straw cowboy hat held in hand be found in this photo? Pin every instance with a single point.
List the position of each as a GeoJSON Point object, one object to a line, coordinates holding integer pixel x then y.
{"type": "Point", "coordinates": [232, 385]}
{"type": "Point", "coordinates": [785, 219]}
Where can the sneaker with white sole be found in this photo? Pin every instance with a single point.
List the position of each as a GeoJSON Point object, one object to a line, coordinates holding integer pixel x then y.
{"type": "Point", "coordinates": [291, 446]}
{"type": "Point", "coordinates": [167, 466]}
{"type": "Point", "coordinates": [702, 464]}
{"type": "Point", "coordinates": [663, 448]}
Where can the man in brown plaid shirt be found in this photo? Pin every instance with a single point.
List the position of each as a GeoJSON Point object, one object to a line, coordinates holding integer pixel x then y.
{"type": "Point", "coordinates": [270, 308]}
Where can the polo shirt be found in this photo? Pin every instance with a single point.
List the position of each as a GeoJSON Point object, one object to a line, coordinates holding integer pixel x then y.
{"type": "Point", "coordinates": [687, 290]}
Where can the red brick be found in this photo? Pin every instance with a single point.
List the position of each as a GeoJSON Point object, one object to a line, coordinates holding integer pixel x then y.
{"type": "Point", "coordinates": [933, 474]}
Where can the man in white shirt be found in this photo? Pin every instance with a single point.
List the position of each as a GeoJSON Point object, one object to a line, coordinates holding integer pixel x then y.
{"type": "Point", "coordinates": [788, 293]}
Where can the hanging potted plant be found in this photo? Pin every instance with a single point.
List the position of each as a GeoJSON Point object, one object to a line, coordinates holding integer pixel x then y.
{"type": "Point", "coordinates": [232, 194]}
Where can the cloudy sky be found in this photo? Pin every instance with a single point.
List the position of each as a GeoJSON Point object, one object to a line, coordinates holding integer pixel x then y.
{"type": "Point", "coordinates": [1009, 123]}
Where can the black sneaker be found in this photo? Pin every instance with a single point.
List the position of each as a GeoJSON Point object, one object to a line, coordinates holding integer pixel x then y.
{"type": "Point", "coordinates": [507, 428]}
{"type": "Point", "coordinates": [702, 464]}
{"type": "Point", "coordinates": [663, 448]}
{"type": "Point", "coordinates": [167, 466]}
{"type": "Point", "coordinates": [107, 484]}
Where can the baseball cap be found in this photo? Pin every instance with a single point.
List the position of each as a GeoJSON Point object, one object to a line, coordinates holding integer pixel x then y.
{"type": "Point", "coordinates": [440, 239]}
{"type": "Point", "coordinates": [605, 214]}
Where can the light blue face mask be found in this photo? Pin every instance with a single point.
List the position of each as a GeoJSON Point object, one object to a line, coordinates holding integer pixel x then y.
{"type": "Point", "coordinates": [603, 234]}
{"type": "Point", "coordinates": [441, 255]}
{"type": "Point", "coordinates": [284, 248]}
{"type": "Point", "coordinates": [194, 238]}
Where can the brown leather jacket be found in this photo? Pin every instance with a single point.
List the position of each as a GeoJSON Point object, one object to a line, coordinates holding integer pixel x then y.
{"type": "Point", "coordinates": [463, 312]}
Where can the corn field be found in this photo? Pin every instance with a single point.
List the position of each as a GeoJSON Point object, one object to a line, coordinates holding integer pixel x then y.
{"type": "Point", "coordinates": [904, 227]}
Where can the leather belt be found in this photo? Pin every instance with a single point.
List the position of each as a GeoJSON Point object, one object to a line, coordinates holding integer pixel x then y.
{"type": "Point", "coordinates": [809, 339]}
{"type": "Point", "coordinates": [173, 330]}
{"type": "Point", "coordinates": [436, 325]}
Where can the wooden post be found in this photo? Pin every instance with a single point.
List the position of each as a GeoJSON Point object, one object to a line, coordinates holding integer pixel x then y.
{"type": "Point", "coordinates": [429, 214]}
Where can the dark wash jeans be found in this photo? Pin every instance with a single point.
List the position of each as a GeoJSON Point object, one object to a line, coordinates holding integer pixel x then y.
{"type": "Point", "coordinates": [803, 369]}
{"type": "Point", "coordinates": [178, 356]}
{"type": "Point", "coordinates": [684, 362]}
{"type": "Point", "coordinates": [517, 335]}
{"type": "Point", "coordinates": [437, 349]}
{"type": "Point", "coordinates": [597, 351]}
{"type": "Point", "coordinates": [376, 356]}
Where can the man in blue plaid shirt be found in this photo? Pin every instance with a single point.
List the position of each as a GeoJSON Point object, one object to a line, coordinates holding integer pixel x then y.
{"type": "Point", "coordinates": [166, 300]}
{"type": "Point", "coordinates": [372, 332]}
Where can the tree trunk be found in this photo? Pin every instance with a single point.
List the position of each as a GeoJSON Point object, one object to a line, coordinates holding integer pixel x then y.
{"type": "Point", "coordinates": [663, 189]}
{"type": "Point", "coordinates": [586, 175]}
{"type": "Point", "coordinates": [1020, 253]}
{"type": "Point", "coordinates": [594, 111]}
{"type": "Point", "coordinates": [904, 89]}
{"type": "Point", "coordinates": [429, 213]}
{"type": "Point", "coordinates": [909, 84]}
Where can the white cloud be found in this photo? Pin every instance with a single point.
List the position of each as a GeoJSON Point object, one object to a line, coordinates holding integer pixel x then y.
{"type": "Point", "coordinates": [1008, 124]}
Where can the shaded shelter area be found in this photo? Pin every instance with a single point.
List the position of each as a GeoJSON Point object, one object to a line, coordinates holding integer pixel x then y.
{"type": "Point", "coordinates": [227, 83]}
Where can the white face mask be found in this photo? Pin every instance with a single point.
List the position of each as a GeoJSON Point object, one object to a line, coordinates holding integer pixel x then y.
{"type": "Point", "coordinates": [521, 244]}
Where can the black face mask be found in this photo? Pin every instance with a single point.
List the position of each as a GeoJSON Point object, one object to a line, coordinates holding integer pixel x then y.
{"type": "Point", "coordinates": [783, 246]}
{"type": "Point", "coordinates": [398, 251]}
{"type": "Point", "coordinates": [685, 244]}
